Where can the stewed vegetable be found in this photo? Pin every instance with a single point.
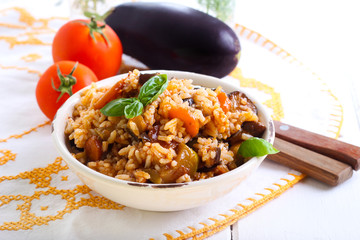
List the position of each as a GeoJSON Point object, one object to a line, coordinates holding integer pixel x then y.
{"type": "Point", "coordinates": [181, 133]}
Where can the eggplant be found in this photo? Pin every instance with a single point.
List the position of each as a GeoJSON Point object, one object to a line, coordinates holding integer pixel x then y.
{"type": "Point", "coordinates": [237, 98]}
{"type": "Point", "coordinates": [175, 37]}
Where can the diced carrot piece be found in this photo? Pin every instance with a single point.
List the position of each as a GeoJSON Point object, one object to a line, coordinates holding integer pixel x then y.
{"type": "Point", "coordinates": [191, 124]}
{"type": "Point", "coordinates": [225, 102]}
{"type": "Point", "coordinates": [109, 95]}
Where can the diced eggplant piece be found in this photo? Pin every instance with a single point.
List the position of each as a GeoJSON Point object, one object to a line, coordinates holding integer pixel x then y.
{"type": "Point", "coordinates": [212, 164]}
{"type": "Point", "coordinates": [144, 77]}
{"type": "Point", "coordinates": [154, 132]}
{"type": "Point", "coordinates": [192, 142]}
{"type": "Point", "coordinates": [203, 168]}
{"type": "Point", "coordinates": [255, 129]}
{"type": "Point", "coordinates": [189, 100]}
{"type": "Point", "coordinates": [130, 94]}
{"type": "Point", "coordinates": [172, 144]}
{"type": "Point", "coordinates": [72, 146]}
{"type": "Point", "coordinates": [132, 134]}
{"type": "Point", "coordinates": [235, 138]}
{"type": "Point", "coordinates": [217, 156]}
{"type": "Point", "coordinates": [239, 99]}
{"type": "Point", "coordinates": [144, 136]}
{"type": "Point", "coordinates": [152, 136]}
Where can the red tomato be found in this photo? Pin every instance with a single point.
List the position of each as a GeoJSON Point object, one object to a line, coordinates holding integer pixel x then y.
{"type": "Point", "coordinates": [102, 53]}
{"type": "Point", "coordinates": [48, 90]}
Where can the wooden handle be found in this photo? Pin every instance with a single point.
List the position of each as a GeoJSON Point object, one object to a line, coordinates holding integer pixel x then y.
{"type": "Point", "coordinates": [332, 148]}
{"type": "Point", "coordinates": [320, 167]}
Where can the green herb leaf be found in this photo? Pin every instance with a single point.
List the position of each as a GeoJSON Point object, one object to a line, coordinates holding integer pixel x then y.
{"type": "Point", "coordinates": [256, 147]}
{"type": "Point", "coordinates": [153, 88]}
{"type": "Point", "coordinates": [116, 107]}
{"type": "Point", "coordinates": [223, 9]}
{"type": "Point", "coordinates": [134, 109]}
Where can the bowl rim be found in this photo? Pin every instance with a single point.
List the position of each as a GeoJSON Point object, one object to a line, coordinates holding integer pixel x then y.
{"type": "Point", "coordinates": [57, 131]}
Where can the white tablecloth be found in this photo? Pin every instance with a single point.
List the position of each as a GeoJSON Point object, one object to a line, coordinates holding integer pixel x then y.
{"type": "Point", "coordinates": [322, 36]}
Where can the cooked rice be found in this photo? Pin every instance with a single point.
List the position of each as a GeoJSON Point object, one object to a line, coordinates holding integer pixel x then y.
{"type": "Point", "coordinates": [127, 156]}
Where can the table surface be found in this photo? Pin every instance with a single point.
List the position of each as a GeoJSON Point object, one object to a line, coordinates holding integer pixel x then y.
{"type": "Point", "coordinates": [325, 35]}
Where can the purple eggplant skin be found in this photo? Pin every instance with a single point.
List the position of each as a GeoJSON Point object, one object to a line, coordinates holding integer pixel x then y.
{"type": "Point", "coordinates": [174, 37]}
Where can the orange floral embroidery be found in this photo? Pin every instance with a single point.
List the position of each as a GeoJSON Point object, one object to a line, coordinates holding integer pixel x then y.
{"type": "Point", "coordinates": [41, 177]}
{"type": "Point", "coordinates": [25, 132]}
{"type": "Point", "coordinates": [21, 69]}
{"type": "Point", "coordinates": [44, 208]}
{"type": "Point", "coordinates": [7, 156]}
{"type": "Point", "coordinates": [35, 27]}
{"type": "Point", "coordinates": [31, 57]}
{"type": "Point", "coordinates": [64, 178]}
{"type": "Point", "coordinates": [274, 102]}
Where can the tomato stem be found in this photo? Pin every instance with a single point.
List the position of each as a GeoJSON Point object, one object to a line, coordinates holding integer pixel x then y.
{"type": "Point", "coordinates": [93, 25]}
{"type": "Point", "coordinates": [66, 82]}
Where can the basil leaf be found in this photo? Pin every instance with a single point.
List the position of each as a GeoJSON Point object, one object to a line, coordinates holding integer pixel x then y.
{"type": "Point", "coordinates": [116, 107]}
{"type": "Point", "coordinates": [153, 88]}
{"type": "Point", "coordinates": [256, 147]}
{"type": "Point", "coordinates": [134, 109]}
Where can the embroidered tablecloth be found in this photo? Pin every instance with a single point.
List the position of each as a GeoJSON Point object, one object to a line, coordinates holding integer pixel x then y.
{"type": "Point", "coordinates": [40, 198]}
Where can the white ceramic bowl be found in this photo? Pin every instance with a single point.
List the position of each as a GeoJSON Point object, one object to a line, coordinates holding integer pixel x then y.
{"type": "Point", "coordinates": [159, 197]}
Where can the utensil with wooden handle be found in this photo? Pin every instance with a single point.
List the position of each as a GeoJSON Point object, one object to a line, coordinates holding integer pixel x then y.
{"type": "Point", "coordinates": [325, 159]}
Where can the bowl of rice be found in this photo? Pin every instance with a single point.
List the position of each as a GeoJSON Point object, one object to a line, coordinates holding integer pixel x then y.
{"type": "Point", "coordinates": [161, 140]}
